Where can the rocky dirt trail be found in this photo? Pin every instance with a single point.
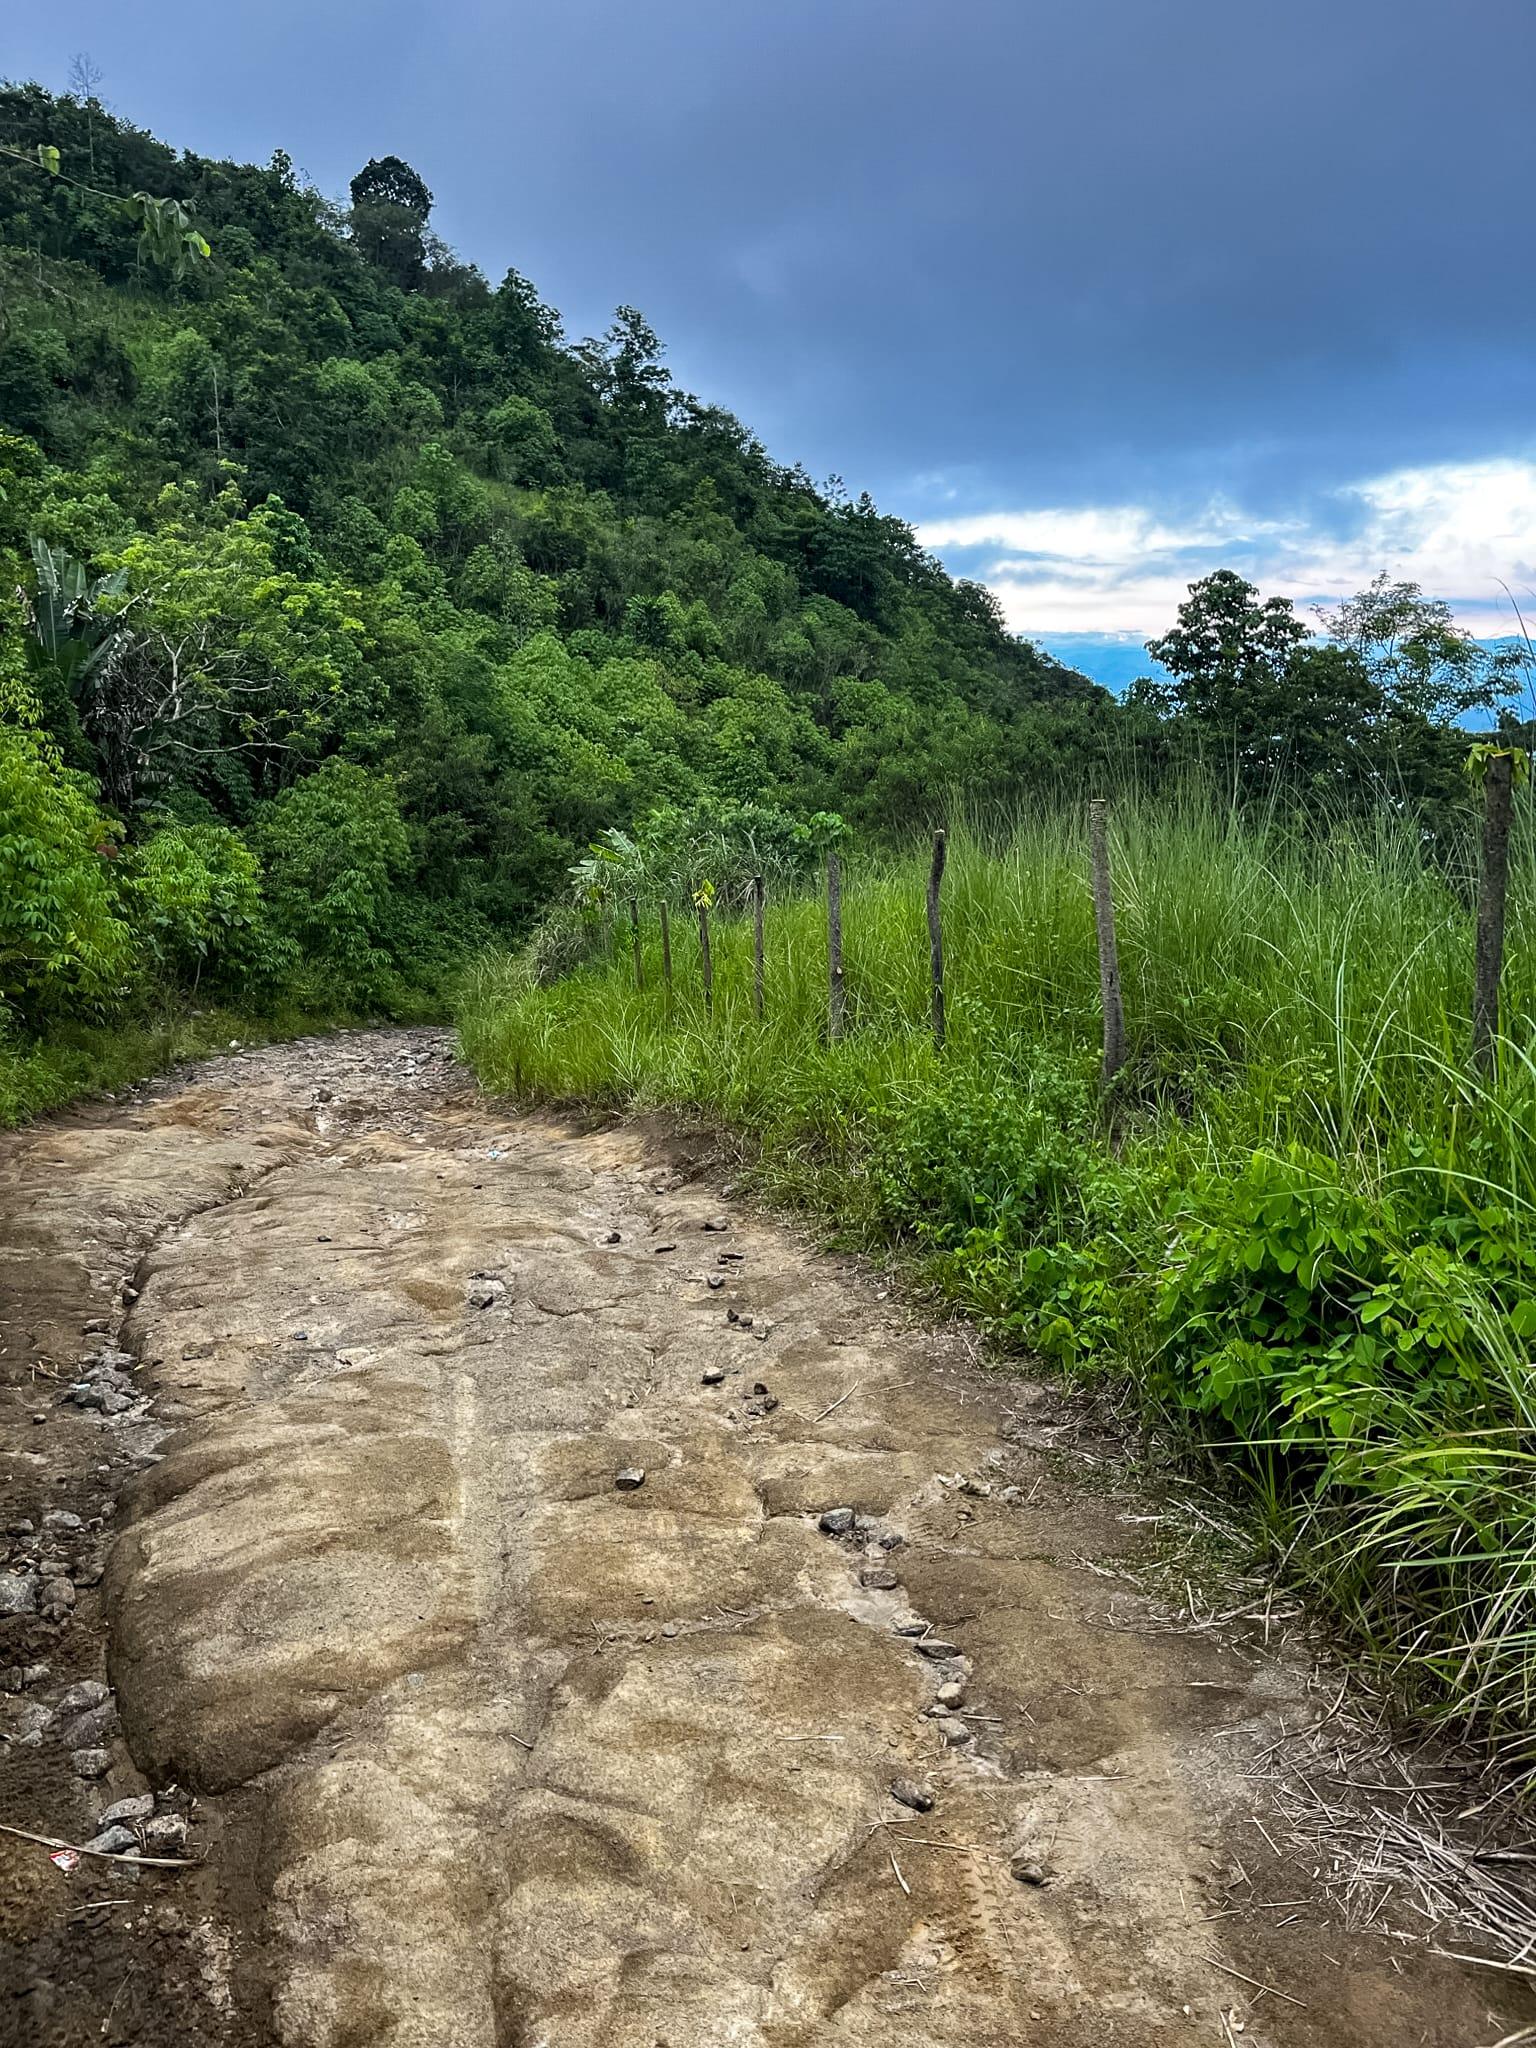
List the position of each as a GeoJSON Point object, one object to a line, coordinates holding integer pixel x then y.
{"type": "Point", "coordinates": [512, 1577]}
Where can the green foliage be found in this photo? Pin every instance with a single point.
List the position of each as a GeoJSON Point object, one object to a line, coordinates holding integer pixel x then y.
{"type": "Point", "coordinates": [1300, 1228]}
{"type": "Point", "coordinates": [195, 897]}
{"type": "Point", "coordinates": [63, 945]}
{"type": "Point", "coordinates": [334, 847]}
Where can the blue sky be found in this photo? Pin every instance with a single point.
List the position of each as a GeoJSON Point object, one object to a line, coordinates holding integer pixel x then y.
{"type": "Point", "coordinates": [1099, 293]}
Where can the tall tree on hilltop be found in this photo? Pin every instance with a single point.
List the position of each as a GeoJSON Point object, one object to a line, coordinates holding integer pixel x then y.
{"type": "Point", "coordinates": [391, 205]}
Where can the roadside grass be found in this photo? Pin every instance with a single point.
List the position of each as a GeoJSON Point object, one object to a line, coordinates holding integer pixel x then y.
{"type": "Point", "coordinates": [1299, 1226]}
{"type": "Point", "coordinates": [81, 1060]}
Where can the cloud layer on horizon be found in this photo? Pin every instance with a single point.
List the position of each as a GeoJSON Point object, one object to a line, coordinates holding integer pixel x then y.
{"type": "Point", "coordinates": [1461, 530]}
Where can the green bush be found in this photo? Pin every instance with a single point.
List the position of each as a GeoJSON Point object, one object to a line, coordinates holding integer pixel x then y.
{"type": "Point", "coordinates": [194, 895]}
{"type": "Point", "coordinates": [63, 944]}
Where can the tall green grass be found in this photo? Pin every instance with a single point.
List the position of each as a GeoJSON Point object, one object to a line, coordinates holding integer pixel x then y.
{"type": "Point", "coordinates": [1299, 1223]}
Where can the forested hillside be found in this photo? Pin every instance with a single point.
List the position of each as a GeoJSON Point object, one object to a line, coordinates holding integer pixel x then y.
{"type": "Point", "coordinates": [363, 598]}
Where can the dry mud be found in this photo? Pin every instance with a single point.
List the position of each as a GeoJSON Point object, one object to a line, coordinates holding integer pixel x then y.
{"type": "Point", "coordinates": [479, 1749]}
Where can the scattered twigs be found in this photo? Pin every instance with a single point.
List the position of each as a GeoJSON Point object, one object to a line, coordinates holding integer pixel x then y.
{"type": "Point", "coordinates": [106, 1855]}
{"type": "Point", "coordinates": [1242, 1977]}
{"type": "Point", "coordinates": [837, 1403]}
{"type": "Point", "coordinates": [899, 1878]}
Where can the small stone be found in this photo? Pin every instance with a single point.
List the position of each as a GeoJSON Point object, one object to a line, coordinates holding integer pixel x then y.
{"type": "Point", "coordinates": [18, 1528]}
{"type": "Point", "coordinates": [954, 1732]}
{"type": "Point", "coordinates": [937, 1647]}
{"type": "Point", "coordinates": [56, 1600]}
{"type": "Point", "coordinates": [717, 1223]}
{"type": "Point", "coordinates": [40, 1417]}
{"type": "Point", "coordinates": [33, 1674]}
{"type": "Point", "coordinates": [483, 1293]}
{"type": "Point", "coordinates": [84, 1395]}
{"type": "Point", "coordinates": [714, 1376]}
{"type": "Point", "coordinates": [114, 1404]}
{"type": "Point", "coordinates": [976, 1487]}
{"type": "Point", "coordinates": [760, 1335]}
{"type": "Point", "coordinates": [758, 1387]}
{"type": "Point", "coordinates": [770, 1402]}
{"type": "Point", "coordinates": [907, 1792]}
{"type": "Point", "coordinates": [127, 1811]}
{"type": "Point", "coordinates": [732, 1315]}
{"type": "Point", "coordinates": [90, 1692]}
{"type": "Point", "coordinates": [61, 1518]}
{"type": "Point", "coordinates": [631, 1477]}
{"type": "Point", "coordinates": [166, 1833]}
{"type": "Point", "coordinates": [714, 1281]}
{"type": "Point", "coordinates": [660, 1248]}
{"type": "Point", "coordinates": [92, 1729]}
{"type": "Point", "coordinates": [743, 1322]}
{"type": "Point", "coordinates": [612, 1237]}
{"type": "Point", "coordinates": [909, 1624]}
{"type": "Point", "coordinates": [891, 1540]}
{"type": "Point", "coordinates": [97, 1324]}
{"type": "Point", "coordinates": [90, 1763]}
{"type": "Point", "coordinates": [1028, 1870]}
{"type": "Point", "coordinates": [836, 1522]}
{"type": "Point", "coordinates": [113, 1841]}
{"type": "Point", "coordinates": [18, 1592]}
{"type": "Point", "coordinates": [669, 1628]}
{"type": "Point", "coordinates": [879, 1580]}
{"type": "Point", "coordinates": [951, 1694]}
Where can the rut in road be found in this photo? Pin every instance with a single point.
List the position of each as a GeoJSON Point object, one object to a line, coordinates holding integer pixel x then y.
{"type": "Point", "coordinates": [508, 1755]}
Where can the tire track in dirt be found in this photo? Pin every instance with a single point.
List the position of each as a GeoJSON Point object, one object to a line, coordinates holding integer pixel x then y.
{"type": "Point", "coordinates": [492, 1753]}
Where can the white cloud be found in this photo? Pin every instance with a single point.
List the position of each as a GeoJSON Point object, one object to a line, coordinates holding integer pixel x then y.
{"type": "Point", "coordinates": [1459, 529]}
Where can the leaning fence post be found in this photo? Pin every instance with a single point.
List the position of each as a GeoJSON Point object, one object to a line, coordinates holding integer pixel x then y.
{"type": "Point", "coordinates": [835, 990]}
{"type": "Point", "coordinates": [706, 964]}
{"type": "Point", "coordinates": [634, 933]}
{"type": "Point", "coordinates": [936, 937]}
{"type": "Point", "coordinates": [1498, 788]}
{"type": "Point", "coordinates": [666, 946]}
{"type": "Point", "coordinates": [1109, 955]}
{"type": "Point", "coordinates": [757, 947]}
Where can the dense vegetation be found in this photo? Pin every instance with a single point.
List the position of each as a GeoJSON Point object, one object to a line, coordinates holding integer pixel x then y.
{"type": "Point", "coordinates": [1299, 1224]}
{"type": "Point", "coordinates": [345, 600]}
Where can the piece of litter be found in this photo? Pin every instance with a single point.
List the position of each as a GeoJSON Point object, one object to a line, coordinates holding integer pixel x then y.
{"type": "Point", "coordinates": [64, 1859]}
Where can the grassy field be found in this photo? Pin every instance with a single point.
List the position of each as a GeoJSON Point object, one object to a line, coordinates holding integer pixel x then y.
{"type": "Point", "coordinates": [1298, 1224]}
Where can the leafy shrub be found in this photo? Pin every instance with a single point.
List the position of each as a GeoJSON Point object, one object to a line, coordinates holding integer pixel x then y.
{"type": "Point", "coordinates": [194, 894]}
{"type": "Point", "coordinates": [63, 944]}
{"type": "Point", "coordinates": [333, 848]}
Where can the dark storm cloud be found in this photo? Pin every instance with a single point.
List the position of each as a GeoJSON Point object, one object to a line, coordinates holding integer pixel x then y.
{"type": "Point", "coordinates": [975, 255]}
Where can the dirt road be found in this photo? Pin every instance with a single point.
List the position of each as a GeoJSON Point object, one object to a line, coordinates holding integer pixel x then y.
{"type": "Point", "coordinates": [477, 1738]}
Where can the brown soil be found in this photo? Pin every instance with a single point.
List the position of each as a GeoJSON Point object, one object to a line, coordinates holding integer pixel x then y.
{"type": "Point", "coordinates": [481, 1750]}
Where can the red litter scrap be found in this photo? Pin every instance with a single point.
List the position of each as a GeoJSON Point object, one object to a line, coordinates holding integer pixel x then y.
{"type": "Point", "coordinates": [64, 1859]}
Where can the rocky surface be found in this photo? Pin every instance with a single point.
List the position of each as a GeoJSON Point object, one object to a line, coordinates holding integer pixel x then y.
{"type": "Point", "coordinates": [412, 1556]}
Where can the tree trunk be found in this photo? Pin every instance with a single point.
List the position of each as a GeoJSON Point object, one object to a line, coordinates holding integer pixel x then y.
{"type": "Point", "coordinates": [1109, 955]}
{"type": "Point", "coordinates": [936, 937]}
{"type": "Point", "coordinates": [757, 947]}
{"type": "Point", "coordinates": [836, 994]}
{"type": "Point", "coordinates": [706, 964]}
{"type": "Point", "coordinates": [1498, 803]}
{"type": "Point", "coordinates": [634, 933]}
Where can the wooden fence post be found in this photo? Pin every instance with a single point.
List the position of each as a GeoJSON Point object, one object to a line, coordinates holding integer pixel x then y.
{"type": "Point", "coordinates": [706, 964]}
{"type": "Point", "coordinates": [1109, 955]}
{"type": "Point", "coordinates": [836, 995]}
{"type": "Point", "coordinates": [757, 947]}
{"type": "Point", "coordinates": [936, 937]}
{"type": "Point", "coordinates": [1498, 791]}
{"type": "Point", "coordinates": [634, 933]}
{"type": "Point", "coordinates": [666, 946]}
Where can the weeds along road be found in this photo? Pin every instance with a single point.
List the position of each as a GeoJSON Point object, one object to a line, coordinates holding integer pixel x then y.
{"type": "Point", "coordinates": [326, 1388]}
